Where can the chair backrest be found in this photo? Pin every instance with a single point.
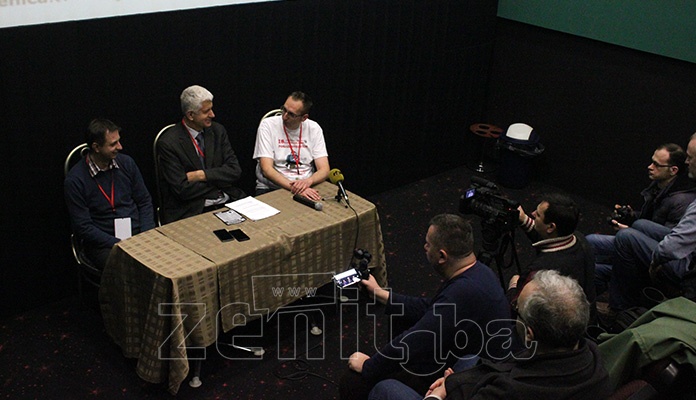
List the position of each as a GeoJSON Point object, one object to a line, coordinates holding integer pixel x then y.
{"type": "Point", "coordinates": [75, 154]}
{"type": "Point", "coordinates": [155, 157]}
{"type": "Point", "coordinates": [87, 270]}
{"type": "Point", "coordinates": [272, 113]}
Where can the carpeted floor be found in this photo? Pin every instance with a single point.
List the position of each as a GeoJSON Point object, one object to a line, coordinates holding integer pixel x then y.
{"type": "Point", "coordinates": [61, 350]}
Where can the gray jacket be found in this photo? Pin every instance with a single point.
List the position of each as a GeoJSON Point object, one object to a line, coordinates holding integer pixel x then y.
{"type": "Point", "coordinates": [679, 246]}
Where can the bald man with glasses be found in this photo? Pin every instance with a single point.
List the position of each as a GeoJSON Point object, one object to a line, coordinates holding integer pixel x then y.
{"type": "Point", "coordinates": [290, 150]}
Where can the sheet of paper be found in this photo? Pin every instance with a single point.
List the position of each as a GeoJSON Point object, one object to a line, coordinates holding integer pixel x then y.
{"type": "Point", "coordinates": [252, 208]}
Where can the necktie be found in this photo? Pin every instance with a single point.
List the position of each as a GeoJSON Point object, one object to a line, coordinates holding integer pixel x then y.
{"type": "Point", "coordinates": [201, 145]}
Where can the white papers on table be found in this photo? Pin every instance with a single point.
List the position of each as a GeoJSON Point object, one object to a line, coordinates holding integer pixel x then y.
{"type": "Point", "coordinates": [252, 208]}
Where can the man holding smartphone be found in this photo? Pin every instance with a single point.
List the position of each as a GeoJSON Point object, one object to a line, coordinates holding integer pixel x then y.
{"type": "Point", "coordinates": [467, 301]}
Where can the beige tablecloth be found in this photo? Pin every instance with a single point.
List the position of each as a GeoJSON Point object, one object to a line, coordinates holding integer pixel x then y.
{"type": "Point", "coordinates": [162, 290]}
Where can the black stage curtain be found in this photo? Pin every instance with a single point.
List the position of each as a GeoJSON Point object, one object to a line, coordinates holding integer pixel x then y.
{"type": "Point", "coordinates": [395, 82]}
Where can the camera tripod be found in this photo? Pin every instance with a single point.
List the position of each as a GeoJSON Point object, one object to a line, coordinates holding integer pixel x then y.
{"type": "Point", "coordinates": [498, 240]}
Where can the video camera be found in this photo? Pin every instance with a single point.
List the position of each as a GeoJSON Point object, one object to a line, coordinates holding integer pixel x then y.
{"type": "Point", "coordinates": [484, 199]}
{"type": "Point", "coordinates": [499, 218]}
{"type": "Point", "coordinates": [358, 272]}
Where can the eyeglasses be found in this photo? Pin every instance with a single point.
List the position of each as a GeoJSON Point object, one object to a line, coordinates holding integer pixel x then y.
{"type": "Point", "coordinates": [284, 110]}
{"type": "Point", "coordinates": [656, 165]}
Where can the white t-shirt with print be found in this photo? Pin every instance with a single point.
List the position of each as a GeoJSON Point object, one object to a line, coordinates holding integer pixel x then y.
{"type": "Point", "coordinates": [272, 142]}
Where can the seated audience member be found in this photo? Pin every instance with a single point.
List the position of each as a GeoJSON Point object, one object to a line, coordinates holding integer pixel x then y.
{"type": "Point", "coordinates": [558, 246]}
{"type": "Point", "coordinates": [467, 301]}
{"type": "Point", "coordinates": [558, 362]}
{"type": "Point", "coordinates": [198, 166]}
{"type": "Point", "coordinates": [106, 197]}
{"type": "Point", "coordinates": [290, 150]}
{"type": "Point", "coordinates": [664, 202]}
{"type": "Point", "coordinates": [648, 248]}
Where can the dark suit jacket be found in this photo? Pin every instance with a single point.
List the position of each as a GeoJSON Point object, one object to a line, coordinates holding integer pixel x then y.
{"type": "Point", "coordinates": [177, 156]}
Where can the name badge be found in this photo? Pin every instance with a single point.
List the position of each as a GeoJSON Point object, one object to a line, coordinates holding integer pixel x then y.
{"type": "Point", "coordinates": [122, 227]}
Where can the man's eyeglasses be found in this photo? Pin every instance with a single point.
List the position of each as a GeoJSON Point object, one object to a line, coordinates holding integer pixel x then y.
{"type": "Point", "coordinates": [284, 110]}
{"type": "Point", "coordinates": [656, 165]}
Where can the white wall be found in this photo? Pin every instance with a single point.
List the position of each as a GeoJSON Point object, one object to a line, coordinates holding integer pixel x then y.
{"type": "Point", "coordinates": [32, 12]}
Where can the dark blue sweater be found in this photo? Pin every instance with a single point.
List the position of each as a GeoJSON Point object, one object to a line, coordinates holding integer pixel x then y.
{"type": "Point", "coordinates": [460, 310]}
{"type": "Point", "coordinates": [91, 215]}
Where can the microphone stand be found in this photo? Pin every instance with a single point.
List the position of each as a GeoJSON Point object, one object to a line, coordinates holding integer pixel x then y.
{"type": "Point", "coordinates": [339, 197]}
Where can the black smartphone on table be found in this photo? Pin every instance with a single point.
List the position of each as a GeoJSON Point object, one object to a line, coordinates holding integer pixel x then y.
{"type": "Point", "coordinates": [239, 235]}
{"type": "Point", "coordinates": [224, 235]}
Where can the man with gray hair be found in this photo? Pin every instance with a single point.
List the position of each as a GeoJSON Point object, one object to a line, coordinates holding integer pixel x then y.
{"type": "Point", "coordinates": [558, 362]}
{"type": "Point", "coordinates": [198, 166]}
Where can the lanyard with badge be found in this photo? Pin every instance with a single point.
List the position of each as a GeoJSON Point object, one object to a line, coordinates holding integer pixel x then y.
{"type": "Point", "coordinates": [295, 156]}
{"type": "Point", "coordinates": [122, 226]}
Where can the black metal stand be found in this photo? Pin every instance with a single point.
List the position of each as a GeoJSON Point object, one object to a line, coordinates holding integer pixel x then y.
{"type": "Point", "coordinates": [497, 242]}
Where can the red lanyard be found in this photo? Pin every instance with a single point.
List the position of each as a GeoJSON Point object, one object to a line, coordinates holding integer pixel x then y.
{"type": "Point", "coordinates": [111, 199]}
{"type": "Point", "coordinates": [296, 156]}
{"type": "Point", "coordinates": [195, 143]}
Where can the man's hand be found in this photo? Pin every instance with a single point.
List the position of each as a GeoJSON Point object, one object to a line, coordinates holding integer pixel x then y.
{"type": "Point", "coordinates": [438, 387]}
{"type": "Point", "coordinates": [375, 290]}
{"type": "Point", "coordinates": [308, 192]}
{"type": "Point", "coordinates": [356, 361]}
{"type": "Point", "coordinates": [522, 216]}
{"type": "Point", "coordinates": [196, 176]}
{"type": "Point", "coordinates": [298, 187]}
{"type": "Point", "coordinates": [513, 282]}
{"type": "Point", "coordinates": [618, 226]}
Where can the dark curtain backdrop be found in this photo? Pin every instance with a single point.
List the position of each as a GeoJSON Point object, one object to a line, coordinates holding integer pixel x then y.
{"type": "Point", "coordinates": [395, 82]}
{"type": "Point", "coordinates": [600, 109]}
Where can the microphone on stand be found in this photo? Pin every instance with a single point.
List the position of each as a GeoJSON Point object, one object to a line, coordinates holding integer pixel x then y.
{"type": "Point", "coordinates": [309, 203]}
{"type": "Point", "coordinates": [336, 177]}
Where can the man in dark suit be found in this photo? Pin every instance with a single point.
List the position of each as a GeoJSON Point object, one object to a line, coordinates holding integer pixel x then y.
{"type": "Point", "coordinates": [198, 166]}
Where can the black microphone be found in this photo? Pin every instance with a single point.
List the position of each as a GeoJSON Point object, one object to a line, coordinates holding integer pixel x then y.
{"type": "Point", "coordinates": [336, 177]}
{"type": "Point", "coordinates": [309, 203]}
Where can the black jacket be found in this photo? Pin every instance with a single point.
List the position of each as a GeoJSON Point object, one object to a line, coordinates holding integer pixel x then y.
{"type": "Point", "coordinates": [577, 374]}
{"type": "Point", "coordinates": [668, 205]}
{"type": "Point", "coordinates": [177, 156]}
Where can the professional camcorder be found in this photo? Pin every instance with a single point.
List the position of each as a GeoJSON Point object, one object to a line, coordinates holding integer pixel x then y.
{"type": "Point", "coordinates": [358, 270]}
{"type": "Point", "coordinates": [499, 218]}
{"type": "Point", "coordinates": [484, 199]}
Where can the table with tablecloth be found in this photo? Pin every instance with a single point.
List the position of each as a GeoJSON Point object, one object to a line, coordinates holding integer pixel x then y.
{"type": "Point", "coordinates": [178, 286]}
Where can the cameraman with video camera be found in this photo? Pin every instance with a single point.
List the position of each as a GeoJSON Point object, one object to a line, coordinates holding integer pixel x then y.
{"type": "Point", "coordinates": [664, 202]}
{"type": "Point", "coordinates": [551, 228]}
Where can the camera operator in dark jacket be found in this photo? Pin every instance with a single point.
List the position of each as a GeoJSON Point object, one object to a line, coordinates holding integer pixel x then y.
{"type": "Point", "coordinates": [551, 228]}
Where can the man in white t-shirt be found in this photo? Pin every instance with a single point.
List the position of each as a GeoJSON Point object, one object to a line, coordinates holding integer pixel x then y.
{"type": "Point", "coordinates": [291, 151]}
